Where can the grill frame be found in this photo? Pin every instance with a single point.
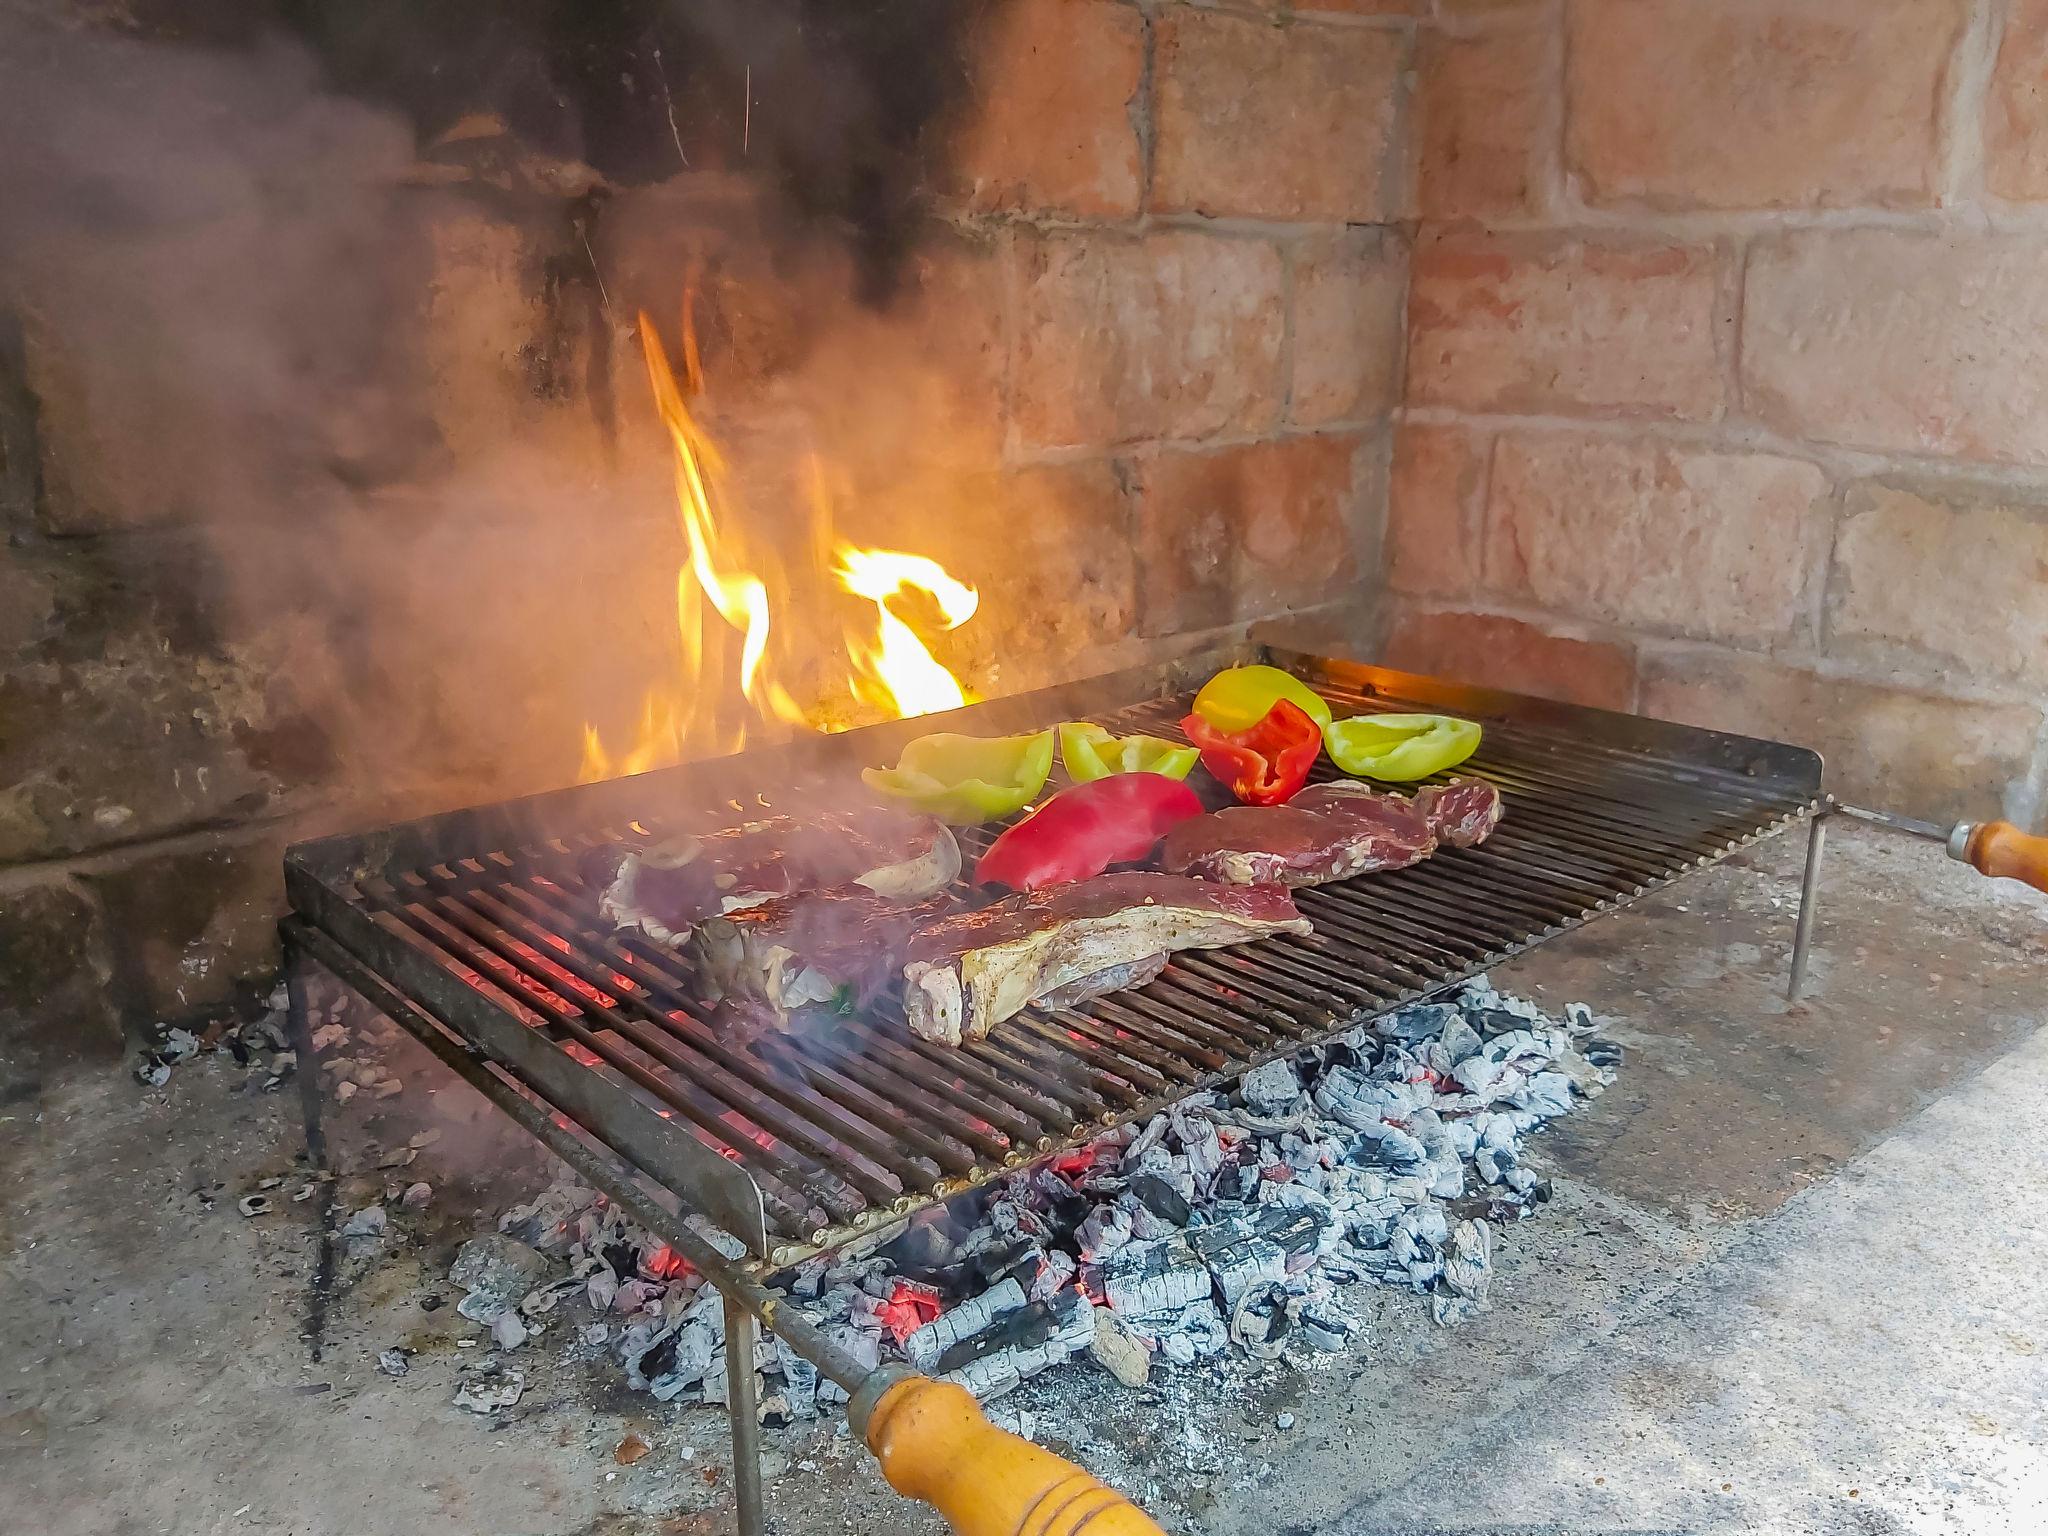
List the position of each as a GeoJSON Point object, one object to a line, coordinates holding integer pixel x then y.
{"type": "Point", "coordinates": [1603, 808]}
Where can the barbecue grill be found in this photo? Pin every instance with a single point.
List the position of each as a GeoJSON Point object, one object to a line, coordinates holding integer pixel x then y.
{"type": "Point", "coordinates": [474, 931]}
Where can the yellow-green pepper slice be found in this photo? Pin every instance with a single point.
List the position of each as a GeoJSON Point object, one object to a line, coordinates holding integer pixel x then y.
{"type": "Point", "coordinates": [1400, 748]}
{"type": "Point", "coordinates": [965, 779]}
{"type": "Point", "coordinates": [1238, 698]}
{"type": "Point", "coordinates": [1092, 753]}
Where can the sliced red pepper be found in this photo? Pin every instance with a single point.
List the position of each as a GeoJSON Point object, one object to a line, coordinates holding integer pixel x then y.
{"type": "Point", "coordinates": [1081, 831]}
{"type": "Point", "coordinates": [1266, 764]}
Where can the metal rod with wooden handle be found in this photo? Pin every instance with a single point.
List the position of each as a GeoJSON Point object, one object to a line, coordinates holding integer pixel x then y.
{"type": "Point", "coordinates": [1994, 848]}
{"type": "Point", "coordinates": [934, 1444]}
{"type": "Point", "coordinates": [930, 1437]}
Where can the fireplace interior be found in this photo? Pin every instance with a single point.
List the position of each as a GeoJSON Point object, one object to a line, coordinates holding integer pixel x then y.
{"type": "Point", "coordinates": [434, 446]}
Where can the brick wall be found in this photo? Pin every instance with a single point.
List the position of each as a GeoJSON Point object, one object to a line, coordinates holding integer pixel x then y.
{"type": "Point", "coordinates": [1726, 389]}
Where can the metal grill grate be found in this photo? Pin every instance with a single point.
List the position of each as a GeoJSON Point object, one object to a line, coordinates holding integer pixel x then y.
{"type": "Point", "coordinates": [846, 1131]}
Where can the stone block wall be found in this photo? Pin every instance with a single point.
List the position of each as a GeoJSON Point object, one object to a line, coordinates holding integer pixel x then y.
{"type": "Point", "coordinates": [1726, 391]}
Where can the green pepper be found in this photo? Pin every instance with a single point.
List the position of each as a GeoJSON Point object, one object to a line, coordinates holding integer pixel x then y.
{"type": "Point", "coordinates": [965, 779]}
{"type": "Point", "coordinates": [1092, 753]}
{"type": "Point", "coordinates": [1238, 698]}
{"type": "Point", "coordinates": [1400, 748]}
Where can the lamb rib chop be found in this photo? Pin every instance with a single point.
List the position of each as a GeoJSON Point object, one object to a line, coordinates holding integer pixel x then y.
{"type": "Point", "coordinates": [667, 889]}
{"type": "Point", "coordinates": [964, 974]}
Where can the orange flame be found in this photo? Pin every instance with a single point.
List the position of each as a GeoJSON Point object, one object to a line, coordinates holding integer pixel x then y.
{"type": "Point", "coordinates": [890, 670]}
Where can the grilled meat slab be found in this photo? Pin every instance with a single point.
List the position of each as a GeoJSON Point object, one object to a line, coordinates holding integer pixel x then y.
{"type": "Point", "coordinates": [834, 951]}
{"type": "Point", "coordinates": [1326, 832]}
{"type": "Point", "coordinates": [966, 973]}
{"type": "Point", "coordinates": [667, 889]}
{"type": "Point", "coordinates": [1461, 813]}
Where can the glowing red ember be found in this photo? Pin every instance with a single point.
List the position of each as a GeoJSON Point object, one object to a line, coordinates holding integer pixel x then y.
{"type": "Point", "coordinates": [909, 1307]}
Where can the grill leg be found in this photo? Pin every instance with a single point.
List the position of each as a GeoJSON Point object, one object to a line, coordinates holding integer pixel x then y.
{"type": "Point", "coordinates": [745, 1415]}
{"type": "Point", "coordinates": [1809, 890]}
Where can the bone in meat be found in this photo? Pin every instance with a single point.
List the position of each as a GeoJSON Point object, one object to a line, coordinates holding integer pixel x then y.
{"type": "Point", "coordinates": [966, 973]}
{"type": "Point", "coordinates": [1461, 813]}
{"type": "Point", "coordinates": [831, 950]}
{"type": "Point", "coordinates": [1327, 832]}
{"type": "Point", "coordinates": [667, 889]}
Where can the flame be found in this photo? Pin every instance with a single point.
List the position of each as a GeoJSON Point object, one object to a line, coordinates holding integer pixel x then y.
{"type": "Point", "coordinates": [888, 666]}
{"type": "Point", "coordinates": [894, 671]}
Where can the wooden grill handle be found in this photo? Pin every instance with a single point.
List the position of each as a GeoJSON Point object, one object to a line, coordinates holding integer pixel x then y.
{"type": "Point", "coordinates": [2002, 851]}
{"type": "Point", "coordinates": [934, 1444]}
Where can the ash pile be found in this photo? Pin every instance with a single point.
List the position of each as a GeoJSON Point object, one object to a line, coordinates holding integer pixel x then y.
{"type": "Point", "coordinates": [1233, 1222]}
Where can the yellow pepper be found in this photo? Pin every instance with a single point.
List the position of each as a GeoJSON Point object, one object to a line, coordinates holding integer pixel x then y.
{"type": "Point", "coordinates": [1091, 753]}
{"type": "Point", "coordinates": [965, 779]}
{"type": "Point", "coordinates": [1238, 698]}
{"type": "Point", "coordinates": [1400, 748]}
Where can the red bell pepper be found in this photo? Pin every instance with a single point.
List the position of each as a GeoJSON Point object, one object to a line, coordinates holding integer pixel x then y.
{"type": "Point", "coordinates": [1083, 830]}
{"type": "Point", "coordinates": [1266, 764]}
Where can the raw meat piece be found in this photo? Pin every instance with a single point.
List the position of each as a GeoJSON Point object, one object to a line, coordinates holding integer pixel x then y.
{"type": "Point", "coordinates": [667, 889]}
{"type": "Point", "coordinates": [966, 973]}
{"type": "Point", "coordinates": [1461, 813]}
{"type": "Point", "coordinates": [1327, 832]}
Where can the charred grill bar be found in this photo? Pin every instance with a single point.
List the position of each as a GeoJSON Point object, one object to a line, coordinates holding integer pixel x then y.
{"type": "Point", "coordinates": [796, 1144]}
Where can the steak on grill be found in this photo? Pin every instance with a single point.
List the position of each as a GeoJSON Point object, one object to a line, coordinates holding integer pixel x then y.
{"type": "Point", "coordinates": [966, 973]}
{"type": "Point", "coordinates": [667, 889]}
{"type": "Point", "coordinates": [1326, 832]}
{"type": "Point", "coordinates": [1461, 813]}
{"type": "Point", "coordinates": [831, 950]}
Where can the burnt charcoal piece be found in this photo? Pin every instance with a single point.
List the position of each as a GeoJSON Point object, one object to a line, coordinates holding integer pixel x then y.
{"type": "Point", "coordinates": [1602, 1053]}
{"type": "Point", "coordinates": [1160, 1198]}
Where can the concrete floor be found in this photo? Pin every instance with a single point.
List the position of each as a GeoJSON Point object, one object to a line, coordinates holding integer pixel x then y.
{"type": "Point", "coordinates": [1792, 1281]}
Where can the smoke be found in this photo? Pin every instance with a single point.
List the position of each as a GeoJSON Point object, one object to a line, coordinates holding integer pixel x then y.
{"type": "Point", "coordinates": [345, 294]}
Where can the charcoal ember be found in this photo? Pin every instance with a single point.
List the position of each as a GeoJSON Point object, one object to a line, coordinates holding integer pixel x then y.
{"type": "Point", "coordinates": [1271, 1088]}
{"type": "Point", "coordinates": [497, 1269]}
{"type": "Point", "coordinates": [1370, 1223]}
{"type": "Point", "coordinates": [1600, 1052]}
{"type": "Point", "coordinates": [1068, 1325]}
{"type": "Point", "coordinates": [1238, 1259]}
{"type": "Point", "coordinates": [924, 1251]}
{"type": "Point", "coordinates": [1322, 1321]}
{"type": "Point", "coordinates": [1418, 1022]}
{"type": "Point", "coordinates": [1203, 1149]}
{"type": "Point", "coordinates": [1119, 1351]}
{"type": "Point", "coordinates": [799, 1382]}
{"type": "Point", "coordinates": [548, 1222]}
{"type": "Point", "coordinates": [1578, 1019]}
{"type": "Point", "coordinates": [1154, 1277]}
{"type": "Point", "coordinates": [1387, 1146]}
{"type": "Point", "coordinates": [1458, 1041]}
{"type": "Point", "coordinates": [1446, 1166]}
{"type": "Point", "coordinates": [1301, 1231]}
{"type": "Point", "coordinates": [1160, 1198]}
{"type": "Point", "coordinates": [1544, 1096]}
{"type": "Point", "coordinates": [1056, 1270]}
{"type": "Point", "coordinates": [1362, 1103]}
{"type": "Point", "coordinates": [1467, 1273]}
{"type": "Point", "coordinates": [925, 1347]}
{"type": "Point", "coordinates": [1259, 1322]}
{"type": "Point", "coordinates": [1106, 1231]}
